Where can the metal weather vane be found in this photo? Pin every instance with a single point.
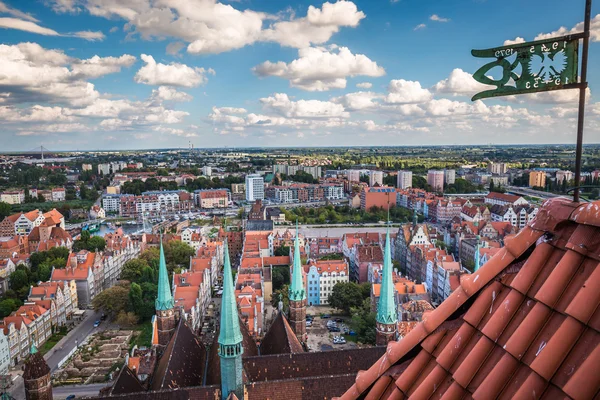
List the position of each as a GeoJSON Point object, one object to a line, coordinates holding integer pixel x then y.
{"type": "Point", "coordinates": [540, 66]}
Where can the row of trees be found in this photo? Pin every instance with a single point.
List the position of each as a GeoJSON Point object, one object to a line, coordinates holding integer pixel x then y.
{"type": "Point", "coordinates": [345, 214]}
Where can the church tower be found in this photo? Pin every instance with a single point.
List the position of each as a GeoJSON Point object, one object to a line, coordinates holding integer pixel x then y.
{"type": "Point", "coordinates": [36, 376]}
{"type": "Point", "coordinates": [230, 337]}
{"type": "Point", "coordinates": [297, 295]}
{"type": "Point", "coordinates": [387, 314]}
{"type": "Point", "coordinates": [165, 312]}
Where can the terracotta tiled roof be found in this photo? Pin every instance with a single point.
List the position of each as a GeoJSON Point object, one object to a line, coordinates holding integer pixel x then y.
{"type": "Point", "coordinates": [526, 324]}
{"type": "Point", "coordinates": [183, 361]}
{"type": "Point", "coordinates": [280, 338]}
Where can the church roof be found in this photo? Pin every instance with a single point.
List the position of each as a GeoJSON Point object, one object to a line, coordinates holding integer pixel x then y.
{"type": "Point", "coordinates": [297, 291]}
{"type": "Point", "coordinates": [527, 323]}
{"type": "Point", "coordinates": [229, 333]}
{"type": "Point", "coordinates": [35, 365]}
{"type": "Point", "coordinates": [183, 361]}
{"type": "Point", "coordinates": [280, 338]}
{"type": "Point", "coordinates": [126, 382]}
{"type": "Point", "coordinates": [164, 298]}
{"type": "Point", "coordinates": [386, 306]}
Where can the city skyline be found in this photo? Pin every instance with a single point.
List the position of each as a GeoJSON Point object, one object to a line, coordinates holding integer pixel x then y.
{"type": "Point", "coordinates": [93, 75]}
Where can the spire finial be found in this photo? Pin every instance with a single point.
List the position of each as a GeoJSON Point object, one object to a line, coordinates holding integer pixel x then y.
{"type": "Point", "coordinates": [164, 298]}
{"type": "Point", "coordinates": [386, 307]}
{"type": "Point", "coordinates": [33, 349]}
{"type": "Point", "coordinates": [477, 256]}
{"type": "Point", "coordinates": [229, 333]}
{"type": "Point", "coordinates": [297, 292]}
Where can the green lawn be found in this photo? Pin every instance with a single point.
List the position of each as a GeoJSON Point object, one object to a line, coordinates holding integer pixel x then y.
{"type": "Point", "coordinates": [51, 342]}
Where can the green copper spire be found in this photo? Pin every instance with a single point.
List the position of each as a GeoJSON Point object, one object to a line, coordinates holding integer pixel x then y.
{"type": "Point", "coordinates": [386, 308]}
{"type": "Point", "coordinates": [164, 299]}
{"type": "Point", "coordinates": [33, 349]}
{"type": "Point", "coordinates": [477, 256]}
{"type": "Point", "coordinates": [230, 333]}
{"type": "Point", "coordinates": [297, 292]}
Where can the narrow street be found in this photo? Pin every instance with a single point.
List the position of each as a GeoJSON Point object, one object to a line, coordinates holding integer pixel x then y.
{"type": "Point", "coordinates": [62, 349]}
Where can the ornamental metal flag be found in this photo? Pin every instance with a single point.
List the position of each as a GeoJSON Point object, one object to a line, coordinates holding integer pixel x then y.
{"type": "Point", "coordinates": [539, 66]}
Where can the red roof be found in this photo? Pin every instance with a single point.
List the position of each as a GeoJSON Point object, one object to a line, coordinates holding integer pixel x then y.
{"type": "Point", "coordinates": [510, 198]}
{"type": "Point", "coordinates": [525, 325]}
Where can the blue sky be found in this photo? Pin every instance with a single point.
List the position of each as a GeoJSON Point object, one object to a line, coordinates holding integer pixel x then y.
{"type": "Point", "coordinates": [108, 74]}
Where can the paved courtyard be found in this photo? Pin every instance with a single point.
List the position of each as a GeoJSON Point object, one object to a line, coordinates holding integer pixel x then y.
{"type": "Point", "coordinates": [319, 337]}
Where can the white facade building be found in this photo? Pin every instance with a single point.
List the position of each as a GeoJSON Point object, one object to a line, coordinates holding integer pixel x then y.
{"type": "Point", "coordinates": [111, 203]}
{"type": "Point", "coordinates": [206, 170]}
{"type": "Point", "coordinates": [404, 180]}
{"type": "Point", "coordinates": [353, 175]}
{"type": "Point", "coordinates": [255, 187]}
{"type": "Point", "coordinates": [449, 176]}
{"type": "Point", "coordinates": [376, 178]}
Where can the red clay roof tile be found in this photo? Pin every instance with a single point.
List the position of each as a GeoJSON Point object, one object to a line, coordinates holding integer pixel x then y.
{"type": "Point", "coordinates": [537, 299]}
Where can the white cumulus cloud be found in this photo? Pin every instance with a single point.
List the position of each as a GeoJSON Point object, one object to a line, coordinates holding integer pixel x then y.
{"type": "Point", "coordinates": [401, 91]}
{"type": "Point", "coordinates": [320, 69]}
{"type": "Point", "coordinates": [283, 105]}
{"type": "Point", "coordinates": [173, 74]}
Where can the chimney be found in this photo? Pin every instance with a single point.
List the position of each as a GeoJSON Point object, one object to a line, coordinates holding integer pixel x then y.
{"type": "Point", "coordinates": [73, 262]}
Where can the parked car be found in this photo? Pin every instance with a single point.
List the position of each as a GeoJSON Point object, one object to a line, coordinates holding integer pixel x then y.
{"type": "Point", "coordinates": [334, 329]}
{"type": "Point", "coordinates": [338, 320]}
{"type": "Point", "coordinates": [325, 316]}
{"type": "Point", "coordinates": [308, 323]}
{"type": "Point", "coordinates": [97, 323]}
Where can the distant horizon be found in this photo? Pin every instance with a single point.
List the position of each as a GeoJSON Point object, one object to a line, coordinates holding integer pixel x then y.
{"type": "Point", "coordinates": [299, 147]}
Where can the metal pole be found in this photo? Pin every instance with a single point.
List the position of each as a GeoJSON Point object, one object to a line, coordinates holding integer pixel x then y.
{"type": "Point", "coordinates": [582, 89]}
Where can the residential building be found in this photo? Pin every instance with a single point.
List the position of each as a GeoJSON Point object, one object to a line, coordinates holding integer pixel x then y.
{"type": "Point", "coordinates": [59, 194]}
{"type": "Point", "coordinates": [111, 203]}
{"type": "Point", "coordinates": [21, 223]}
{"type": "Point", "coordinates": [499, 180]}
{"type": "Point", "coordinates": [446, 210]}
{"type": "Point", "coordinates": [7, 267]}
{"type": "Point", "coordinates": [505, 199]}
{"type": "Point", "coordinates": [322, 276]}
{"type": "Point", "coordinates": [362, 257]}
{"type": "Point", "coordinates": [375, 178]}
{"type": "Point", "coordinates": [255, 187]}
{"type": "Point", "coordinates": [104, 169]}
{"type": "Point", "coordinates": [353, 175]}
{"type": "Point", "coordinates": [83, 268]}
{"type": "Point", "coordinates": [48, 235]}
{"type": "Point", "coordinates": [216, 198]}
{"type": "Point", "coordinates": [564, 175]}
{"type": "Point", "coordinates": [435, 179]}
{"type": "Point", "coordinates": [449, 176]}
{"type": "Point", "coordinates": [62, 295]}
{"type": "Point", "coordinates": [537, 179]}
{"type": "Point", "coordinates": [257, 211]}
{"type": "Point", "coordinates": [382, 197]}
{"type": "Point", "coordinates": [315, 171]}
{"type": "Point", "coordinates": [497, 168]}
{"type": "Point", "coordinates": [191, 292]}
{"type": "Point", "coordinates": [207, 171]}
{"type": "Point", "coordinates": [404, 180]}
{"type": "Point", "coordinates": [4, 353]}
{"type": "Point", "coordinates": [13, 196]}
{"type": "Point", "coordinates": [86, 167]}
{"type": "Point", "coordinates": [97, 212]}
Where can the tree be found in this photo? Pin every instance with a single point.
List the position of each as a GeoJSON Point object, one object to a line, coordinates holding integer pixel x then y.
{"type": "Point", "coordinates": [178, 254]}
{"type": "Point", "coordinates": [282, 251]}
{"type": "Point", "coordinates": [135, 298]}
{"type": "Point", "coordinates": [281, 276]}
{"type": "Point", "coordinates": [364, 322]}
{"type": "Point", "coordinates": [284, 294]}
{"type": "Point", "coordinates": [7, 306]}
{"type": "Point", "coordinates": [96, 243]}
{"type": "Point", "coordinates": [5, 210]}
{"type": "Point", "coordinates": [114, 300]}
{"type": "Point", "coordinates": [19, 280]}
{"type": "Point", "coordinates": [126, 319]}
{"type": "Point", "coordinates": [132, 270]}
{"type": "Point", "coordinates": [345, 295]}
{"type": "Point", "coordinates": [149, 293]}
{"type": "Point", "coordinates": [491, 185]}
